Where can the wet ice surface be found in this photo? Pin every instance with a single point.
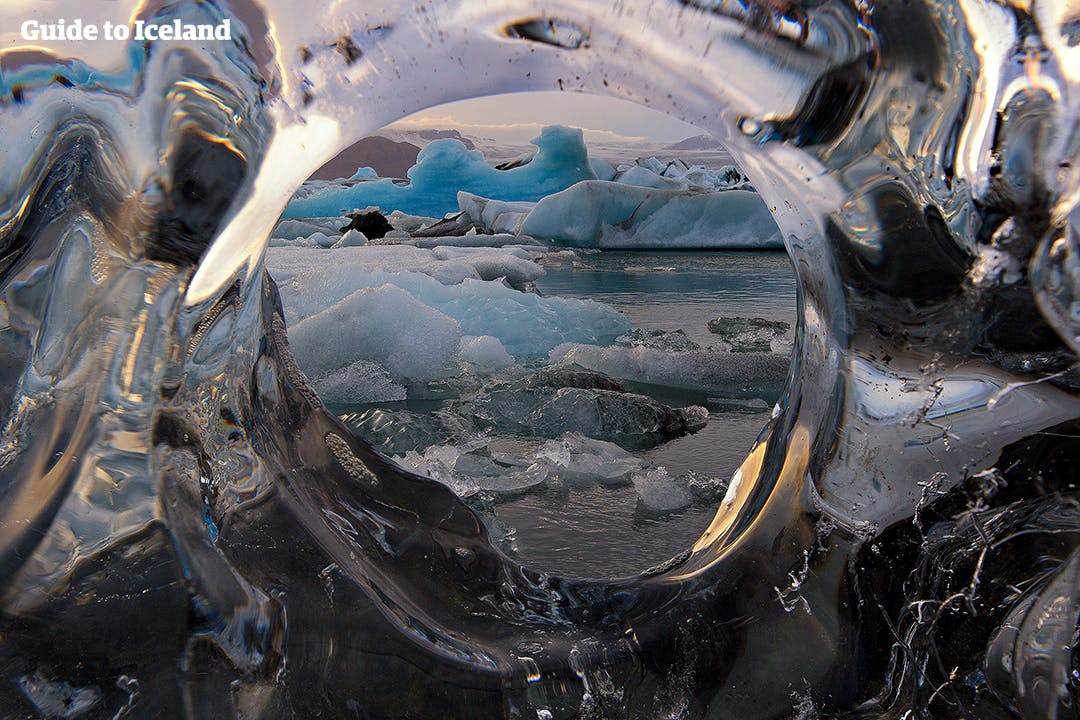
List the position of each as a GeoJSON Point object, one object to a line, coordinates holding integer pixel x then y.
{"type": "Point", "coordinates": [600, 510]}
{"type": "Point", "coordinates": [186, 532]}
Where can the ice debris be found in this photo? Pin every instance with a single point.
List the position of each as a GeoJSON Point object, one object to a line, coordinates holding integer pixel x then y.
{"type": "Point", "coordinates": [752, 374]}
{"type": "Point", "coordinates": [748, 334]}
{"type": "Point", "coordinates": [660, 492]}
{"type": "Point", "coordinates": [672, 341]}
{"type": "Point", "coordinates": [473, 467]}
{"type": "Point", "coordinates": [588, 404]}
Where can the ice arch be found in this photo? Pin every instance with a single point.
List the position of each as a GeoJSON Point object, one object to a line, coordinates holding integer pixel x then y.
{"type": "Point", "coordinates": [187, 531]}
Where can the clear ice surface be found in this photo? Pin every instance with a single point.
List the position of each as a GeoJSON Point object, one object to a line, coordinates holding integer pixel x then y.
{"type": "Point", "coordinates": [186, 531]}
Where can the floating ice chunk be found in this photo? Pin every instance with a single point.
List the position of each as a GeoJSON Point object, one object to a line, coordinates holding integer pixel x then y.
{"type": "Point", "coordinates": [454, 224]}
{"type": "Point", "coordinates": [650, 172]}
{"type": "Point", "coordinates": [362, 381]}
{"type": "Point", "coordinates": [515, 265]}
{"type": "Point", "coordinates": [289, 230]}
{"type": "Point", "coordinates": [728, 176]}
{"type": "Point", "coordinates": [316, 239]}
{"type": "Point", "coordinates": [395, 432]}
{"type": "Point", "coordinates": [676, 169]}
{"type": "Point", "coordinates": [748, 334]}
{"type": "Point", "coordinates": [602, 169]}
{"type": "Point", "coordinates": [632, 420]}
{"type": "Point", "coordinates": [470, 466]}
{"type": "Point", "coordinates": [527, 325]}
{"type": "Point", "coordinates": [446, 166]}
{"type": "Point", "coordinates": [364, 173]}
{"type": "Point", "coordinates": [277, 242]}
{"type": "Point", "coordinates": [613, 215]}
{"type": "Point", "coordinates": [659, 491]}
{"type": "Point", "coordinates": [558, 258]}
{"type": "Point", "coordinates": [673, 341]}
{"type": "Point", "coordinates": [576, 458]}
{"type": "Point", "coordinates": [383, 324]}
{"type": "Point", "coordinates": [498, 216]}
{"type": "Point", "coordinates": [485, 352]}
{"type": "Point", "coordinates": [311, 280]}
{"type": "Point", "coordinates": [478, 241]}
{"type": "Point", "coordinates": [410, 223]}
{"type": "Point", "coordinates": [723, 374]}
{"type": "Point", "coordinates": [294, 229]}
{"type": "Point", "coordinates": [651, 164]}
{"type": "Point", "coordinates": [353, 238]}
{"type": "Point", "coordinates": [639, 176]}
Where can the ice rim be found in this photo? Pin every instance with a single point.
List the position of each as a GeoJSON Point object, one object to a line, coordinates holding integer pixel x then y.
{"type": "Point", "coordinates": [186, 532]}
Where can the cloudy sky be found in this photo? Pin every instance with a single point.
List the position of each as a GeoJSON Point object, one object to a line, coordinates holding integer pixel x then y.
{"type": "Point", "coordinates": [517, 118]}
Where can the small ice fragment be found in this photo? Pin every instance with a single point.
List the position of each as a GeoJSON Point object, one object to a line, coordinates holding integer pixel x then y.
{"type": "Point", "coordinates": [659, 491]}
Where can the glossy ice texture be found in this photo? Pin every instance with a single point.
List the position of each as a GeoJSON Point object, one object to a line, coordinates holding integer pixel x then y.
{"type": "Point", "coordinates": [186, 532]}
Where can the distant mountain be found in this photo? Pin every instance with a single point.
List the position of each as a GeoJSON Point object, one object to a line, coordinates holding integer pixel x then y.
{"type": "Point", "coordinates": [697, 142]}
{"type": "Point", "coordinates": [387, 157]}
{"type": "Point", "coordinates": [441, 134]}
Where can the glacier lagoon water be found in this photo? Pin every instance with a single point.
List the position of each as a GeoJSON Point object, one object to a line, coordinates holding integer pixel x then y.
{"type": "Point", "coordinates": [587, 526]}
{"type": "Point", "coordinates": [675, 290]}
{"type": "Point", "coordinates": [186, 532]}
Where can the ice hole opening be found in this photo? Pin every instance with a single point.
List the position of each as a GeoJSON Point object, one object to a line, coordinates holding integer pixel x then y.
{"type": "Point", "coordinates": [582, 335]}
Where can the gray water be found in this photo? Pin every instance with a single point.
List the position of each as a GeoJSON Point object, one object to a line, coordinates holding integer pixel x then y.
{"type": "Point", "coordinates": [605, 532]}
{"type": "Point", "coordinates": [697, 287]}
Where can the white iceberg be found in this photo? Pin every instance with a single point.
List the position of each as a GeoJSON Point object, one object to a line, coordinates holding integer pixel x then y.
{"type": "Point", "coordinates": [385, 325]}
{"type": "Point", "coordinates": [613, 215]}
{"type": "Point", "coordinates": [446, 280]}
{"type": "Point", "coordinates": [650, 172]}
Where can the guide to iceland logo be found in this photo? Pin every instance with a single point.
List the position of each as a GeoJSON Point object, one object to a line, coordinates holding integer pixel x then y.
{"type": "Point", "coordinates": [77, 30]}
